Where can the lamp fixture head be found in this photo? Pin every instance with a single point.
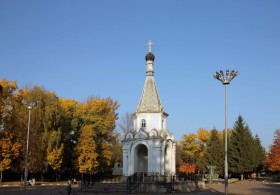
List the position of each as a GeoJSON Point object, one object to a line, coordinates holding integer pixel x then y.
{"type": "Point", "coordinates": [225, 79]}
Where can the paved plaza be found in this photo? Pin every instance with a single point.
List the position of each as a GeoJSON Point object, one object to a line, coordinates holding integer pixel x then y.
{"type": "Point", "coordinates": [238, 188]}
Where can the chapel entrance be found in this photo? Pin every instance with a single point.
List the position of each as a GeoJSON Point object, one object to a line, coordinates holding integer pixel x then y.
{"type": "Point", "coordinates": [141, 158]}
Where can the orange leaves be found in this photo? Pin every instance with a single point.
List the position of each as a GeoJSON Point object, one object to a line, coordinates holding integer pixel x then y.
{"type": "Point", "coordinates": [187, 168]}
{"type": "Point", "coordinates": [273, 158]}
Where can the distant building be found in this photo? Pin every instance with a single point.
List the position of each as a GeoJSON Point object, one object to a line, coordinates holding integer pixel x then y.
{"type": "Point", "coordinates": [150, 147]}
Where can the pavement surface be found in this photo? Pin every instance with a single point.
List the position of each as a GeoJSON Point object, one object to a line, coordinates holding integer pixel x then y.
{"type": "Point", "coordinates": [238, 188]}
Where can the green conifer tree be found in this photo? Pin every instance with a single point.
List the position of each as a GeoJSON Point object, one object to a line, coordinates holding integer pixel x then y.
{"type": "Point", "coordinates": [214, 155]}
{"type": "Point", "coordinates": [259, 154]}
{"type": "Point", "coordinates": [240, 150]}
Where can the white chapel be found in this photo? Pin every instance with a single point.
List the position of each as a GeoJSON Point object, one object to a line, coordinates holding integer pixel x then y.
{"type": "Point", "coordinates": [149, 147]}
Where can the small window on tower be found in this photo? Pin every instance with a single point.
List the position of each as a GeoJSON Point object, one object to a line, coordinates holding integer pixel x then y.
{"type": "Point", "coordinates": [143, 123]}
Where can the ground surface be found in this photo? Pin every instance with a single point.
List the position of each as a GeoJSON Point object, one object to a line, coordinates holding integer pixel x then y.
{"type": "Point", "coordinates": [240, 188]}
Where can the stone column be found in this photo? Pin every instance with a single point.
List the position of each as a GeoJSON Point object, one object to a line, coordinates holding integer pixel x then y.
{"type": "Point", "coordinates": [125, 163]}
{"type": "Point", "coordinates": [158, 159]}
{"type": "Point", "coordinates": [173, 171]}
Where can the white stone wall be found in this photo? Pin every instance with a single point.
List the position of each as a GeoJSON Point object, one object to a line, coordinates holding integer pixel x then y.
{"type": "Point", "coordinates": [153, 121]}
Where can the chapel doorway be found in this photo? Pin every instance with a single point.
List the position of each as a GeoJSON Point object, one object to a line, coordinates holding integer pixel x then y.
{"type": "Point", "coordinates": [141, 158]}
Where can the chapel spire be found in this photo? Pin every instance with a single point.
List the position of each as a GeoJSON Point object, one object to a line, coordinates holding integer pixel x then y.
{"type": "Point", "coordinates": [150, 58]}
{"type": "Point", "coordinates": [150, 101]}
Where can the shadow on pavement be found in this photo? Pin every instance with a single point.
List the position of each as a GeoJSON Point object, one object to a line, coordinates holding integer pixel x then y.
{"type": "Point", "coordinates": [268, 189]}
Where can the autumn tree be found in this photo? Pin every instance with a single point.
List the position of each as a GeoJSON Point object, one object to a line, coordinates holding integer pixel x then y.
{"type": "Point", "coordinates": [186, 168]}
{"type": "Point", "coordinates": [190, 147]}
{"type": "Point", "coordinates": [100, 115]}
{"type": "Point", "coordinates": [179, 156]}
{"type": "Point", "coordinates": [273, 157]}
{"type": "Point", "coordinates": [193, 147]}
{"type": "Point", "coordinates": [8, 90]}
{"type": "Point", "coordinates": [10, 142]}
{"type": "Point", "coordinates": [69, 128]}
{"type": "Point", "coordinates": [44, 119]}
{"type": "Point", "coordinates": [56, 129]}
{"type": "Point", "coordinates": [203, 136]}
{"type": "Point", "coordinates": [86, 151]}
{"type": "Point", "coordinates": [55, 150]}
{"type": "Point", "coordinates": [9, 150]}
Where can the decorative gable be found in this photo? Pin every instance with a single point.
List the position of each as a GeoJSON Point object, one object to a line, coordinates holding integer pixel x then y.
{"type": "Point", "coordinates": [141, 135]}
{"type": "Point", "coordinates": [129, 135]}
{"type": "Point", "coordinates": [153, 133]}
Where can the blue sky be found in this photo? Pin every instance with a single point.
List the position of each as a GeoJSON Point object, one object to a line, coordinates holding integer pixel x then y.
{"type": "Point", "coordinates": [83, 48]}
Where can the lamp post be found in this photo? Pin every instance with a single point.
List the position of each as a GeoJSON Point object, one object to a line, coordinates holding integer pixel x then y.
{"type": "Point", "coordinates": [225, 79]}
{"type": "Point", "coordinates": [30, 105]}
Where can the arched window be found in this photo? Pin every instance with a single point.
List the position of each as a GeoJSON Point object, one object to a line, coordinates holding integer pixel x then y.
{"type": "Point", "coordinates": [143, 123]}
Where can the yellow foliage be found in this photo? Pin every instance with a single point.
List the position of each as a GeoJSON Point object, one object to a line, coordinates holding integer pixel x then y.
{"type": "Point", "coordinates": [86, 150]}
{"type": "Point", "coordinates": [8, 90]}
{"type": "Point", "coordinates": [54, 157]}
{"type": "Point", "coordinates": [203, 135]}
{"type": "Point", "coordinates": [54, 121]}
{"type": "Point", "coordinates": [190, 144]}
{"type": "Point", "coordinates": [194, 146]}
{"type": "Point", "coordinates": [100, 116]}
{"type": "Point", "coordinates": [67, 106]}
{"type": "Point", "coordinates": [10, 149]}
{"type": "Point", "coordinates": [8, 87]}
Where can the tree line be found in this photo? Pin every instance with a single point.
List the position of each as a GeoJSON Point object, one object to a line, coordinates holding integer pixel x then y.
{"type": "Point", "coordinates": [67, 137]}
{"type": "Point", "coordinates": [206, 148]}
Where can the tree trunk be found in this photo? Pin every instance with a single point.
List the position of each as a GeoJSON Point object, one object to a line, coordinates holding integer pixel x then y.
{"type": "Point", "coordinates": [1, 176]}
{"type": "Point", "coordinates": [56, 176]}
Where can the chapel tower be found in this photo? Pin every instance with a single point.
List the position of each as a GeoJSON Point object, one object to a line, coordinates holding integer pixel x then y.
{"type": "Point", "coordinates": [149, 147]}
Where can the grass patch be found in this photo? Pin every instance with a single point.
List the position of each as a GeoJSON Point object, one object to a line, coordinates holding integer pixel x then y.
{"type": "Point", "coordinates": [19, 183]}
{"type": "Point", "coordinates": [10, 183]}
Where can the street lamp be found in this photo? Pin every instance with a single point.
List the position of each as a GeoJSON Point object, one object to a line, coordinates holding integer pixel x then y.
{"type": "Point", "coordinates": [30, 105]}
{"type": "Point", "coordinates": [225, 79]}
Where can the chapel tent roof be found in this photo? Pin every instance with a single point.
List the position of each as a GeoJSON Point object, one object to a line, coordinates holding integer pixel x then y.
{"type": "Point", "coordinates": [150, 101]}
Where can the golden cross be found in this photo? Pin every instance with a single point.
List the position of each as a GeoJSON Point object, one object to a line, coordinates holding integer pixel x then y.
{"type": "Point", "coordinates": [150, 45]}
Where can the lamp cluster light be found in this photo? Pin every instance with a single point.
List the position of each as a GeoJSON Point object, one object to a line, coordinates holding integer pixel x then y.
{"type": "Point", "coordinates": [225, 78]}
{"type": "Point", "coordinates": [30, 104]}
